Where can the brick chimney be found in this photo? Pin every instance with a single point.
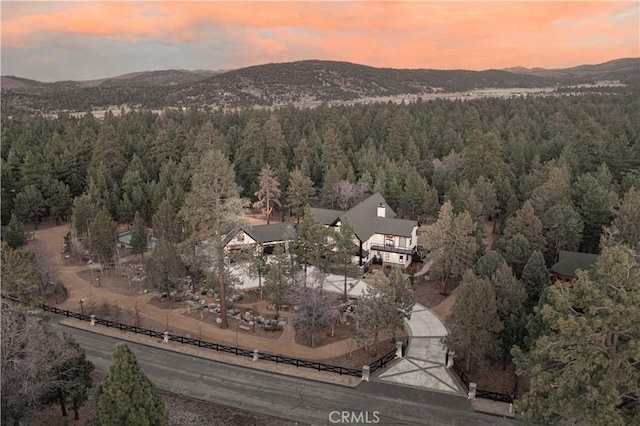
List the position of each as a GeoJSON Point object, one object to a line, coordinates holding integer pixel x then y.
{"type": "Point", "coordinates": [381, 210]}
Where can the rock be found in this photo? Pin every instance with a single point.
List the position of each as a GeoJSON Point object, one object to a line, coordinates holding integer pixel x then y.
{"type": "Point", "coordinates": [145, 291]}
{"type": "Point", "coordinates": [218, 320]}
{"type": "Point", "coordinates": [282, 323]}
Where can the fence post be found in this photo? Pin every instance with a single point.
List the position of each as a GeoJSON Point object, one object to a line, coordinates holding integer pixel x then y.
{"type": "Point", "coordinates": [93, 320]}
{"type": "Point", "coordinates": [365, 373]}
{"type": "Point", "coordinates": [255, 355]}
{"type": "Point", "coordinates": [472, 391]}
{"type": "Point", "coordinates": [399, 349]}
{"type": "Point", "coordinates": [450, 357]}
{"type": "Point", "coordinates": [165, 339]}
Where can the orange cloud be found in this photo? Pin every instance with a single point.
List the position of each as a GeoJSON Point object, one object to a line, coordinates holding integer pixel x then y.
{"type": "Point", "coordinates": [475, 35]}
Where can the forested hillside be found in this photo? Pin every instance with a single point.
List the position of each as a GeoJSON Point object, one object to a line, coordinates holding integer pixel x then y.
{"type": "Point", "coordinates": [302, 83]}
{"type": "Point", "coordinates": [559, 173]}
{"type": "Point", "coordinates": [486, 156]}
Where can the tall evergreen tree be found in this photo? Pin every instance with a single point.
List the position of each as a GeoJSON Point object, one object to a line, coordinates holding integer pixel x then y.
{"type": "Point", "coordinates": [535, 277]}
{"type": "Point", "coordinates": [300, 192]}
{"type": "Point", "coordinates": [268, 192]}
{"type": "Point", "coordinates": [345, 250]}
{"type": "Point", "coordinates": [277, 281]}
{"type": "Point", "coordinates": [126, 396]}
{"type": "Point", "coordinates": [139, 236]}
{"type": "Point", "coordinates": [14, 234]}
{"type": "Point", "coordinates": [29, 205]}
{"type": "Point", "coordinates": [562, 229]}
{"type": "Point", "coordinates": [212, 209]}
{"type": "Point", "coordinates": [311, 246]}
{"type": "Point", "coordinates": [526, 223]}
{"type": "Point", "coordinates": [627, 219]}
{"type": "Point", "coordinates": [165, 222]}
{"type": "Point", "coordinates": [584, 364]}
{"type": "Point", "coordinates": [474, 319]}
{"type": "Point", "coordinates": [453, 240]}
{"type": "Point", "coordinates": [103, 237]}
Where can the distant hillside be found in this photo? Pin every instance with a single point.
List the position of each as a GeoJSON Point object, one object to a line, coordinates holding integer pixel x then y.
{"type": "Point", "coordinates": [625, 70]}
{"type": "Point", "coordinates": [329, 81]}
{"type": "Point", "coordinates": [295, 82]}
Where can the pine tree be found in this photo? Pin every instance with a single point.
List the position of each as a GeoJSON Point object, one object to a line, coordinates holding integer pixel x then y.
{"type": "Point", "coordinates": [535, 278]}
{"type": "Point", "coordinates": [165, 222]}
{"type": "Point", "coordinates": [345, 250]}
{"type": "Point", "coordinates": [516, 251]}
{"type": "Point", "coordinates": [103, 237]}
{"type": "Point", "coordinates": [562, 229]}
{"type": "Point", "coordinates": [277, 281]}
{"type": "Point", "coordinates": [139, 236]}
{"type": "Point", "coordinates": [525, 222]}
{"type": "Point", "coordinates": [627, 219]}
{"type": "Point", "coordinates": [510, 298]}
{"type": "Point", "coordinates": [29, 205]}
{"type": "Point", "coordinates": [311, 246]}
{"type": "Point", "coordinates": [453, 240]}
{"type": "Point", "coordinates": [268, 193]}
{"type": "Point", "coordinates": [15, 235]}
{"type": "Point", "coordinates": [584, 364]}
{"type": "Point", "coordinates": [164, 267]}
{"type": "Point", "coordinates": [300, 192]}
{"type": "Point", "coordinates": [212, 209]}
{"type": "Point", "coordinates": [474, 320]}
{"type": "Point", "coordinates": [488, 264]}
{"type": "Point", "coordinates": [126, 396]}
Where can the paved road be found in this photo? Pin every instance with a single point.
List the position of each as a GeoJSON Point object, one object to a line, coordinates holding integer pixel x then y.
{"type": "Point", "coordinates": [282, 396]}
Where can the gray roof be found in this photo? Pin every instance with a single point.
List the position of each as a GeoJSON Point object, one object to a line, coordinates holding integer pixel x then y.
{"type": "Point", "coordinates": [365, 221]}
{"type": "Point", "coordinates": [569, 262]}
{"type": "Point", "coordinates": [268, 233]}
{"type": "Point", "coordinates": [326, 216]}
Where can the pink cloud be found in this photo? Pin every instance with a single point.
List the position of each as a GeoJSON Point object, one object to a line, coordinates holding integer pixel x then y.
{"type": "Point", "coordinates": [475, 35]}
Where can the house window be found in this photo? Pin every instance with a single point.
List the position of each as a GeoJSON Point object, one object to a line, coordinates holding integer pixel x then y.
{"type": "Point", "coordinates": [386, 257]}
{"type": "Point", "coordinates": [240, 236]}
{"type": "Point", "coordinates": [401, 258]}
{"type": "Point", "coordinates": [388, 240]}
{"type": "Point", "coordinates": [403, 242]}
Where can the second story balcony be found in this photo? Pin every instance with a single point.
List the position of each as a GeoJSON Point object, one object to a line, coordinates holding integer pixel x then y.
{"type": "Point", "coordinates": [392, 249]}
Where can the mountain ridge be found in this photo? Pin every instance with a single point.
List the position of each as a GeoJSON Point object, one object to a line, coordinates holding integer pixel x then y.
{"type": "Point", "coordinates": [297, 82]}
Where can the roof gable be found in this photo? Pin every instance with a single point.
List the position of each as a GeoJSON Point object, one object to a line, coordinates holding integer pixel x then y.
{"type": "Point", "coordinates": [569, 262]}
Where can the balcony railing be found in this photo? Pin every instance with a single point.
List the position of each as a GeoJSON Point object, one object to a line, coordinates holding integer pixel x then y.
{"type": "Point", "coordinates": [391, 249]}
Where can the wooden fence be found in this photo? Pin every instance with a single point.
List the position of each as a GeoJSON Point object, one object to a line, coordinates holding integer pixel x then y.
{"type": "Point", "coordinates": [278, 359]}
{"type": "Point", "coordinates": [496, 396]}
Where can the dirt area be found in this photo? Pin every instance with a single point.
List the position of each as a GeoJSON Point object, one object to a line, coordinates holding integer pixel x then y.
{"type": "Point", "coordinates": [427, 290]}
{"type": "Point", "coordinates": [207, 317]}
{"type": "Point", "coordinates": [496, 379]}
{"type": "Point", "coordinates": [361, 356]}
{"type": "Point", "coordinates": [118, 281]}
{"type": "Point", "coordinates": [183, 411]}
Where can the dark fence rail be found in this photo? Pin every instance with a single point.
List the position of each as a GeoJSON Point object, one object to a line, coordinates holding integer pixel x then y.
{"type": "Point", "coordinates": [278, 359]}
{"type": "Point", "coordinates": [496, 396]}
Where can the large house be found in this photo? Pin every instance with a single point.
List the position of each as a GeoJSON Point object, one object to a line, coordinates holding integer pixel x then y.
{"type": "Point", "coordinates": [378, 234]}
{"type": "Point", "coordinates": [265, 237]}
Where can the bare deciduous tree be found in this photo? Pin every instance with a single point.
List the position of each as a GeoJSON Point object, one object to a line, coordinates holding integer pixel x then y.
{"type": "Point", "coordinates": [313, 307]}
{"type": "Point", "coordinates": [35, 362]}
{"type": "Point", "coordinates": [349, 194]}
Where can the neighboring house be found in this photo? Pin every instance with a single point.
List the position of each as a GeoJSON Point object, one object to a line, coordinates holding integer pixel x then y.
{"type": "Point", "coordinates": [378, 233]}
{"type": "Point", "coordinates": [569, 262]}
{"type": "Point", "coordinates": [263, 236]}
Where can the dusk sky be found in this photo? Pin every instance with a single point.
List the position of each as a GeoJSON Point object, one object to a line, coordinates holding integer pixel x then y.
{"type": "Point", "coordinates": [50, 41]}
